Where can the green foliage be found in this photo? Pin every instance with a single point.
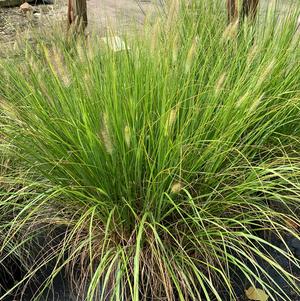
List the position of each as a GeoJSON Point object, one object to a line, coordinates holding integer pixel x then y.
{"type": "Point", "coordinates": [167, 161]}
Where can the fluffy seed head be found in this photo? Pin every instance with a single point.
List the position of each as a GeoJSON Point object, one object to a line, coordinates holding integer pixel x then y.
{"type": "Point", "coordinates": [9, 110]}
{"type": "Point", "coordinates": [230, 31]}
{"type": "Point", "coordinates": [256, 103]}
{"type": "Point", "coordinates": [191, 55]}
{"type": "Point", "coordinates": [105, 134]}
{"type": "Point", "coordinates": [127, 135]}
{"type": "Point", "coordinates": [170, 121]}
{"type": "Point", "coordinates": [252, 54]}
{"type": "Point", "coordinates": [56, 62]}
{"type": "Point", "coordinates": [154, 37]}
{"type": "Point", "coordinates": [172, 14]}
{"type": "Point", "coordinates": [242, 100]}
{"type": "Point", "coordinates": [267, 71]}
{"type": "Point", "coordinates": [175, 49]}
{"type": "Point", "coordinates": [220, 83]}
{"type": "Point", "coordinates": [80, 51]}
{"type": "Point", "coordinates": [176, 187]}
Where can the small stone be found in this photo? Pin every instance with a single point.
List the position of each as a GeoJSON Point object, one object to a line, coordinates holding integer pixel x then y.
{"type": "Point", "coordinates": [26, 8]}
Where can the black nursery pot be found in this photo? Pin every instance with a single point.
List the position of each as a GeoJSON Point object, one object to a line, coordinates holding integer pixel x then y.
{"type": "Point", "coordinates": [13, 271]}
{"type": "Point", "coordinates": [15, 284]}
{"type": "Point", "coordinates": [240, 282]}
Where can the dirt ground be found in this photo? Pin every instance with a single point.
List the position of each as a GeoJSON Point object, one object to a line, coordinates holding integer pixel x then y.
{"type": "Point", "coordinates": [120, 12]}
{"type": "Point", "coordinates": [117, 15]}
{"type": "Point", "coordinates": [101, 14]}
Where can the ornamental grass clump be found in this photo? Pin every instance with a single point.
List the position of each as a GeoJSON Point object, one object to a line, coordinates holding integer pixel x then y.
{"type": "Point", "coordinates": [168, 164]}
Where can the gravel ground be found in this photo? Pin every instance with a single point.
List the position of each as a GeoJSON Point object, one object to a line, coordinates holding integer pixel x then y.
{"type": "Point", "coordinates": [12, 21]}
{"type": "Point", "coordinates": [100, 12]}
{"type": "Point", "coordinates": [116, 13]}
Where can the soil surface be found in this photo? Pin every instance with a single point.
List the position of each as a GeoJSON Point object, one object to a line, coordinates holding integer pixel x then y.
{"type": "Point", "coordinates": [118, 14]}
{"type": "Point", "coordinates": [14, 23]}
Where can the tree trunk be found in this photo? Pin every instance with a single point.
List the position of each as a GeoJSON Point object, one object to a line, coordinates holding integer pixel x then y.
{"type": "Point", "coordinates": [77, 14]}
{"type": "Point", "coordinates": [249, 8]}
{"type": "Point", "coordinates": [232, 10]}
